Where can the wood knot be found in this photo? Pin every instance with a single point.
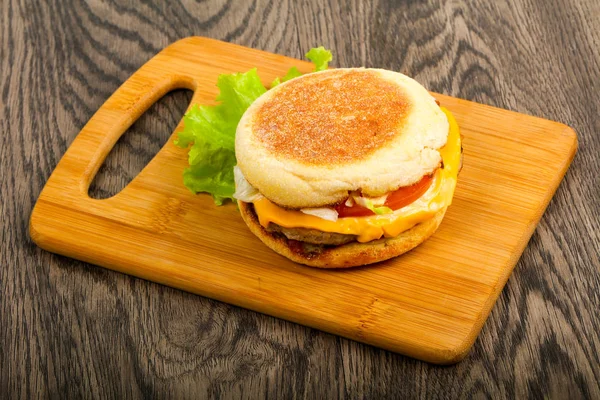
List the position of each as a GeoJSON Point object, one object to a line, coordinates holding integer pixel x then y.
{"type": "Point", "coordinates": [368, 317]}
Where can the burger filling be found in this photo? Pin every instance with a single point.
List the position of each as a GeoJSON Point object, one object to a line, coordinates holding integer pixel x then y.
{"type": "Point", "coordinates": [361, 218]}
{"type": "Point", "coordinates": [313, 236]}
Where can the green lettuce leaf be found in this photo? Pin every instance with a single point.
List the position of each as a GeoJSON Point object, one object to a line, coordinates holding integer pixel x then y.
{"type": "Point", "coordinates": [291, 74]}
{"type": "Point", "coordinates": [377, 210]}
{"type": "Point", "coordinates": [210, 130]}
{"type": "Point", "coordinates": [320, 57]}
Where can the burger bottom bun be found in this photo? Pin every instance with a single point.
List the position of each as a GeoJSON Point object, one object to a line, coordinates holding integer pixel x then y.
{"type": "Point", "coordinates": [349, 255]}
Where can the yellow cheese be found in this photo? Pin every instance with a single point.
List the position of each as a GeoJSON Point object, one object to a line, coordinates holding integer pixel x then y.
{"type": "Point", "coordinates": [438, 196]}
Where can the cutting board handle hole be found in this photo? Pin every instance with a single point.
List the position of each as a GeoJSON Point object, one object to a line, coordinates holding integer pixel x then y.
{"type": "Point", "coordinates": [139, 144]}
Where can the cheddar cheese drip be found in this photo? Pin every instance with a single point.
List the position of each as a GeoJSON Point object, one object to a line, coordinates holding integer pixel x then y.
{"type": "Point", "coordinates": [369, 228]}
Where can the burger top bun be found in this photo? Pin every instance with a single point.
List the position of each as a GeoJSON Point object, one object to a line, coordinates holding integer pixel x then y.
{"type": "Point", "coordinates": [309, 141]}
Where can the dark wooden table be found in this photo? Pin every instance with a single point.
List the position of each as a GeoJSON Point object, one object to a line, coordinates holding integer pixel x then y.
{"type": "Point", "coordinates": [68, 329]}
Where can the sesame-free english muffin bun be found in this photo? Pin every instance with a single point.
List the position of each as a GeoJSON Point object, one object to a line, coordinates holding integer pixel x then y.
{"type": "Point", "coordinates": [309, 141]}
{"type": "Point", "coordinates": [348, 255]}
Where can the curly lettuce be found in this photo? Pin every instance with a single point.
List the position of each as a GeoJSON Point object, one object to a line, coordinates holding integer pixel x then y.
{"type": "Point", "coordinates": [291, 74]}
{"type": "Point", "coordinates": [320, 57]}
{"type": "Point", "coordinates": [210, 130]}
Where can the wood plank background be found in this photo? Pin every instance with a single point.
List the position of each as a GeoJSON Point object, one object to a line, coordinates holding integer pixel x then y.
{"type": "Point", "coordinates": [72, 330]}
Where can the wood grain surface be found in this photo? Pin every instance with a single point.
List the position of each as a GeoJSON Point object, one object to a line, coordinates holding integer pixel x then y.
{"type": "Point", "coordinates": [429, 304]}
{"type": "Point", "coordinates": [71, 330]}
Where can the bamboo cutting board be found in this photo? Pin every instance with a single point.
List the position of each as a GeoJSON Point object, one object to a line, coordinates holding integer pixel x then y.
{"type": "Point", "coordinates": [429, 304]}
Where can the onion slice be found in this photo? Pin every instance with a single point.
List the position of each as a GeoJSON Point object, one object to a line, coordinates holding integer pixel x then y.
{"type": "Point", "coordinates": [244, 191]}
{"type": "Point", "coordinates": [326, 213]}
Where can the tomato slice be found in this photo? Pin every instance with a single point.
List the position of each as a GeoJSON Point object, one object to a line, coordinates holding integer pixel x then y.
{"type": "Point", "coordinates": [353, 211]}
{"type": "Point", "coordinates": [395, 200]}
{"type": "Point", "coordinates": [406, 195]}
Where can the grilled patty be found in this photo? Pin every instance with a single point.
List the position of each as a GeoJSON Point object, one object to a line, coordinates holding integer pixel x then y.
{"type": "Point", "coordinates": [312, 235]}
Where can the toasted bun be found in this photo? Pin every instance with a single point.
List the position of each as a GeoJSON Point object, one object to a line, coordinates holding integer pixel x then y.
{"type": "Point", "coordinates": [311, 140]}
{"type": "Point", "coordinates": [349, 255]}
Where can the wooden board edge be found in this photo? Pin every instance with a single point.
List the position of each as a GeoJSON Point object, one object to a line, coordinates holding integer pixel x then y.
{"type": "Point", "coordinates": [44, 235]}
{"type": "Point", "coordinates": [458, 353]}
{"type": "Point", "coordinates": [37, 227]}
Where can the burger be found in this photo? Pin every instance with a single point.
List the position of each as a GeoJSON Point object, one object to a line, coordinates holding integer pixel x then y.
{"type": "Point", "coordinates": [345, 167]}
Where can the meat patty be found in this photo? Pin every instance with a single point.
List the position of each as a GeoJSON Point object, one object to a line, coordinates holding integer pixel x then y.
{"type": "Point", "coordinates": [313, 236]}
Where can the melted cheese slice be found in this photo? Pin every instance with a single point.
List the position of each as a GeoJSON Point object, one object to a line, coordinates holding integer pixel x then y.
{"type": "Point", "coordinates": [438, 196]}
